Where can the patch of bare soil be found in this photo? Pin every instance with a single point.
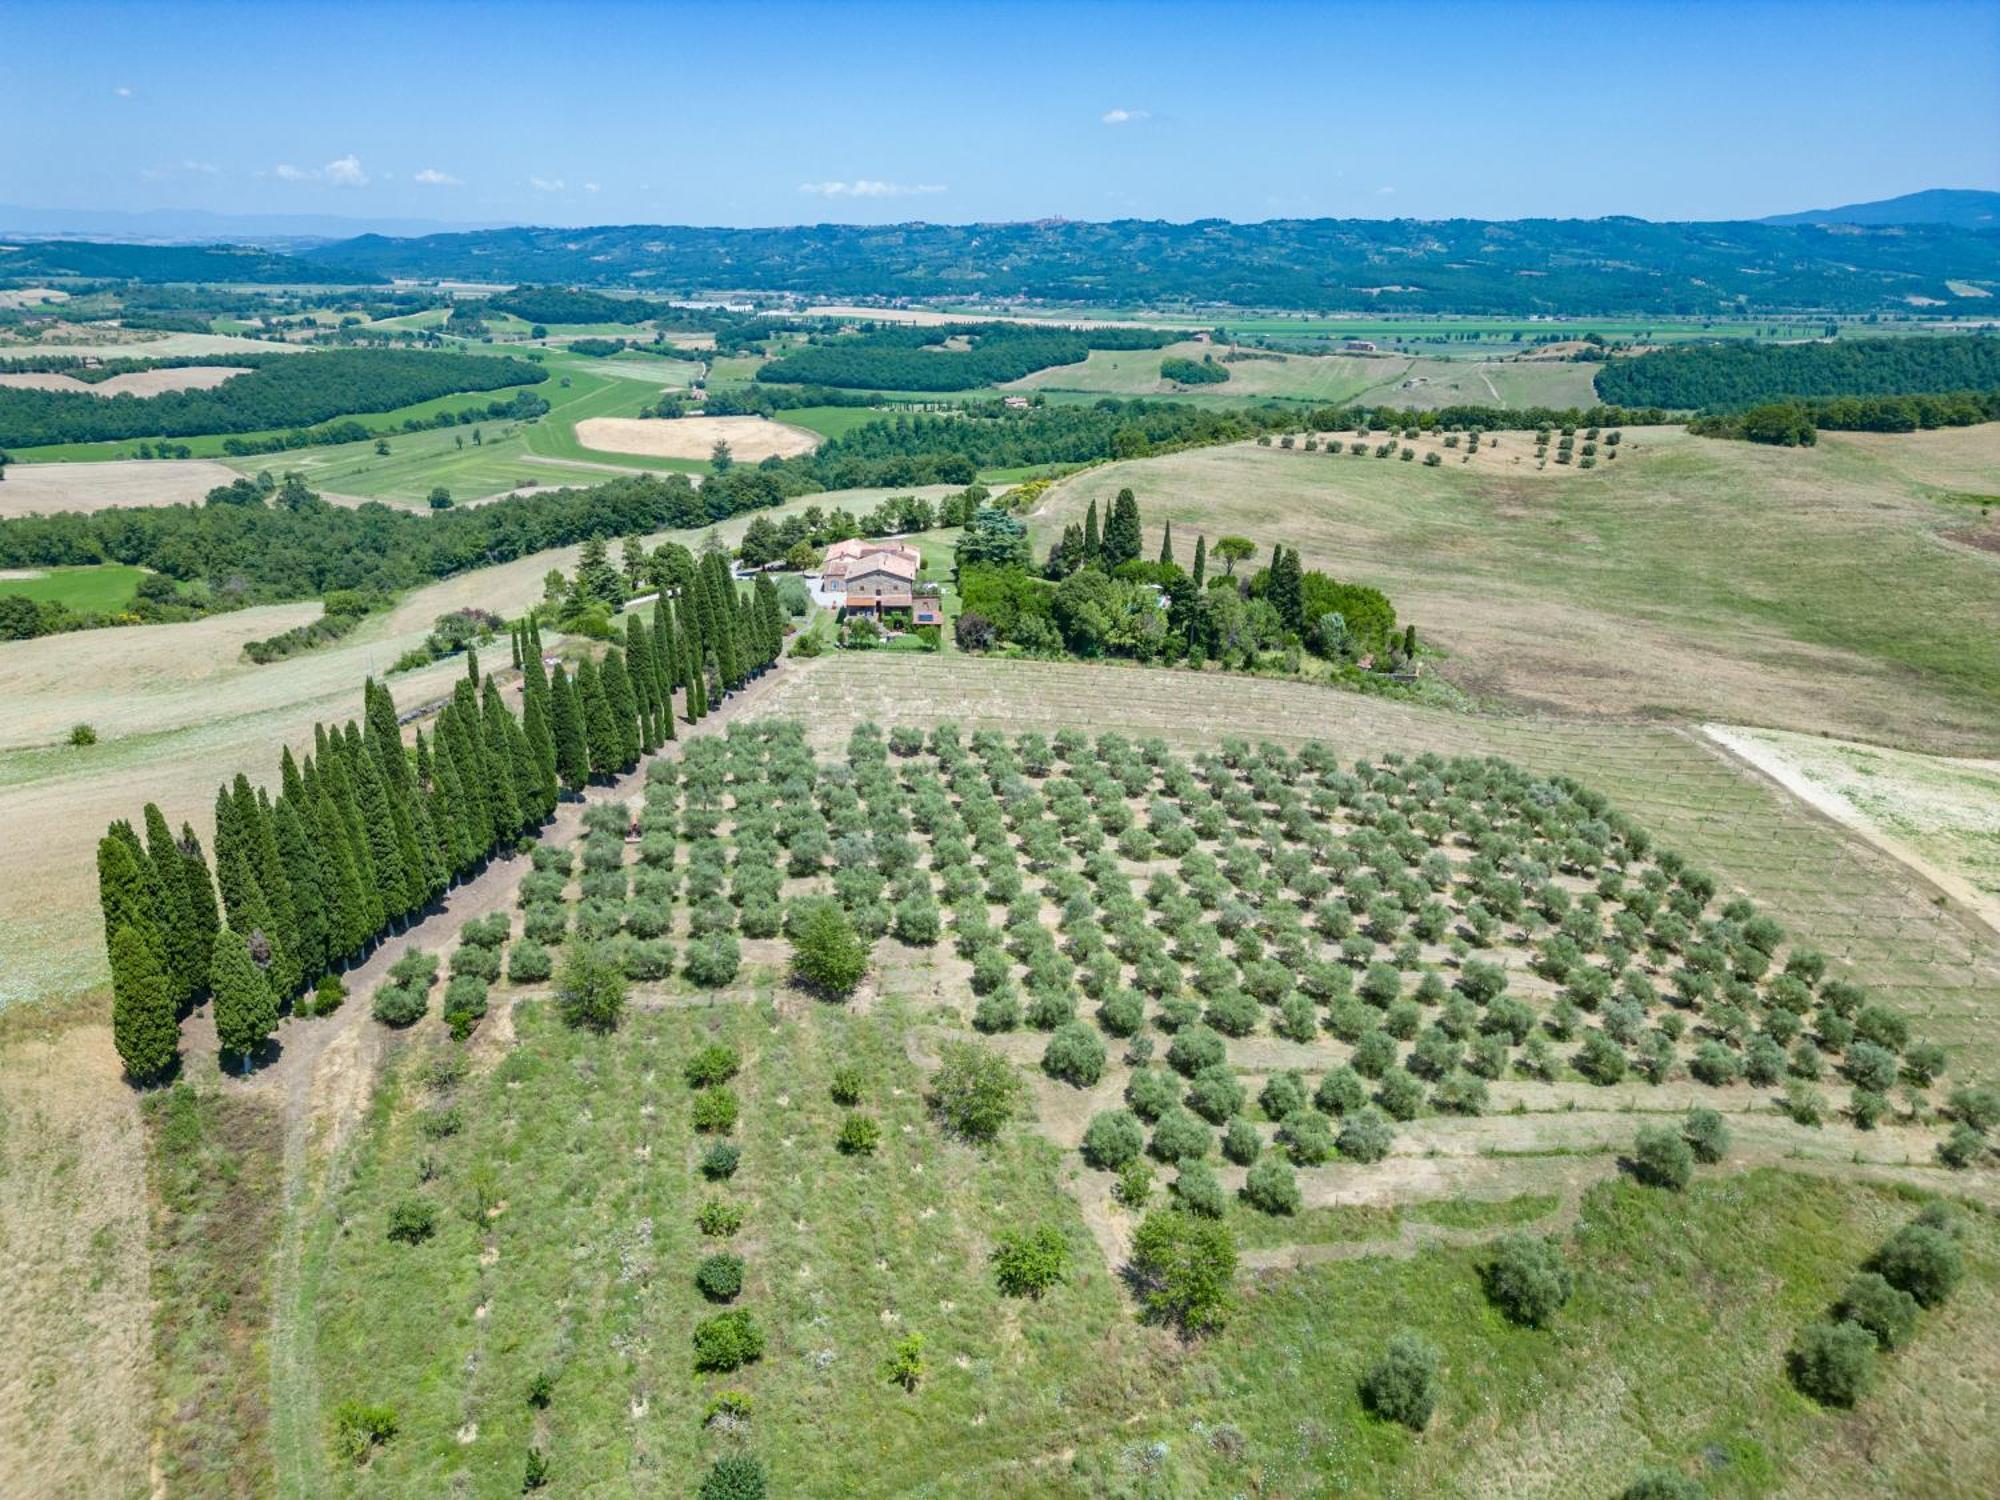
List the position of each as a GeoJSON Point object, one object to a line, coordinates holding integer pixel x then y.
{"type": "Point", "coordinates": [75, 1390]}
{"type": "Point", "coordinates": [750, 439]}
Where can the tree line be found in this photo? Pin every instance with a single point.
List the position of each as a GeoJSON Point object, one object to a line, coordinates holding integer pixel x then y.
{"type": "Point", "coordinates": [1738, 373]}
{"type": "Point", "coordinates": [902, 358]}
{"type": "Point", "coordinates": [367, 833]}
{"type": "Point", "coordinates": [280, 391]}
{"type": "Point", "coordinates": [1794, 424]}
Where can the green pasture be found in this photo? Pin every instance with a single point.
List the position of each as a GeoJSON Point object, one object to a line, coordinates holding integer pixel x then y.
{"type": "Point", "coordinates": [102, 589]}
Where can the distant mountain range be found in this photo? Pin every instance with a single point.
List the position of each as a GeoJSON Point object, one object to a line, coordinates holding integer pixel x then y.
{"type": "Point", "coordinates": [1966, 208]}
{"type": "Point", "coordinates": [1836, 261]}
{"type": "Point", "coordinates": [185, 226]}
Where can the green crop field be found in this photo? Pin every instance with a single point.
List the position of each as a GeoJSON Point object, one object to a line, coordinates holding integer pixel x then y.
{"type": "Point", "coordinates": [101, 589]}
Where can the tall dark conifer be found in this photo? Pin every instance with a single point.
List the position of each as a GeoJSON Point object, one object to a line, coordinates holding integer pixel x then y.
{"type": "Point", "coordinates": [639, 668]}
{"type": "Point", "coordinates": [204, 920]}
{"type": "Point", "coordinates": [600, 727]}
{"type": "Point", "coordinates": [623, 702]}
{"type": "Point", "coordinates": [183, 969]}
{"type": "Point", "coordinates": [1092, 545]}
{"type": "Point", "coordinates": [1200, 561]}
{"type": "Point", "coordinates": [572, 747]}
{"type": "Point", "coordinates": [1167, 543]}
{"type": "Point", "coordinates": [143, 1025]}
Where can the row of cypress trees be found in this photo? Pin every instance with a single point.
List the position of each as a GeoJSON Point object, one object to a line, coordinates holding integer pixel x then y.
{"type": "Point", "coordinates": [369, 833]}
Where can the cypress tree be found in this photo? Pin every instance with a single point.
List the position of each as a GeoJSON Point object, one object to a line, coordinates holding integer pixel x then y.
{"type": "Point", "coordinates": [281, 966]}
{"type": "Point", "coordinates": [666, 663]}
{"type": "Point", "coordinates": [1285, 588]}
{"type": "Point", "coordinates": [450, 813]}
{"type": "Point", "coordinates": [313, 939]}
{"type": "Point", "coordinates": [534, 677]}
{"type": "Point", "coordinates": [291, 783]}
{"type": "Point", "coordinates": [527, 773]}
{"type": "Point", "coordinates": [541, 749]}
{"type": "Point", "coordinates": [623, 702]}
{"type": "Point", "coordinates": [1167, 543]}
{"type": "Point", "coordinates": [204, 921]}
{"type": "Point", "coordinates": [770, 620]}
{"type": "Point", "coordinates": [1121, 531]}
{"type": "Point", "coordinates": [233, 873]}
{"type": "Point", "coordinates": [639, 668]}
{"type": "Point", "coordinates": [339, 787]}
{"type": "Point", "coordinates": [514, 640]}
{"type": "Point", "coordinates": [692, 677]}
{"type": "Point", "coordinates": [143, 1028]}
{"type": "Point", "coordinates": [509, 817]}
{"type": "Point", "coordinates": [472, 666]}
{"type": "Point", "coordinates": [1200, 561]}
{"type": "Point", "coordinates": [385, 736]}
{"type": "Point", "coordinates": [124, 891]}
{"type": "Point", "coordinates": [348, 923]}
{"type": "Point", "coordinates": [245, 1011]}
{"type": "Point", "coordinates": [183, 968]}
{"type": "Point", "coordinates": [460, 726]}
{"type": "Point", "coordinates": [572, 749]}
{"type": "Point", "coordinates": [600, 729]}
{"type": "Point", "coordinates": [1091, 545]}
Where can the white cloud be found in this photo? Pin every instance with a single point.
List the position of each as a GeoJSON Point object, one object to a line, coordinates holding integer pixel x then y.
{"type": "Point", "coordinates": [590, 187]}
{"type": "Point", "coordinates": [1125, 116]}
{"type": "Point", "coordinates": [868, 187]}
{"type": "Point", "coordinates": [344, 171]}
{"type": "Point", "coordinates": [122, 92]}
{"type": "Point", "coordinates": [434, 178]}
{"type": "Point", "coordinates": [546, 184]}
{"type": "Point", "coordinates": [1384, 192]}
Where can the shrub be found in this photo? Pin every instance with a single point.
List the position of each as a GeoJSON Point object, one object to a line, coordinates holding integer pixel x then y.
{"type": "Point", "coordinates": [1962, 1148]}
{"type": "Point", "coordinates": [401, 1004]}
{"type": "Point", "coordinates": [1601, 1059]}
{"type": "Point", "coordinates": [718, 1218]}
{"type": "Point", "coordinates": [1340, 1092]}
{"type": "Point", "coordinates": [720, 1160]}
{"type": "Point", "coordinates": [1271, 1186]}
{"type": "Point", "coordinates": [1706, 1134]}
{"type": "Point", "coordinates": [1026, 1263]}
{"type": "Point", "coordinates": [1194, 1048]}
{"type": "Point", "coordinates": [712, 961]}
{"type": "Point", "coordinates": [1400, 1094]}
{"type": "Point", "coordinates": [1921, 1260]}
{"type": "Point", "coordinates": [727, 1341]}
{"type": "Point", "coordinates": [1662, 1158]}
{"type": "Point", "coordinates": [905, 1365]}
{"type": "Point", "coordinates": [1977, 1105]}
{"type": "Point", "coordinates": [828, 956]}
{"type": "Point", "coordinates": [859, 1135]}
{"type": "Point", "coordinates": [1135, 1183]}
{"type": "Point", "coordinates": [1528, 1280]}
{"type": "Point", "coordinates": [715, 1111]}
{"type": "Point", "coordinates": [590, 989]}
{"type": "Point", "coordinates": [328, 995]}
{"type": "Point", "coordinates": [81, 735]}
{"type": "Point", "coordinates": [1113, 1139]}
{"type": "Point", "coordinates": [1214, 1093]}
{"type": "Point", "coordinates": [1151, 1093]}
{"type": "Point", "coordinates": [1308, 1137]}
{"type": "Point", "coordinates": [846, 1084]}
{"type": "Point", "coordinates": [999, 1011]}
{"type": "Point", "coordinates": [975, 1091]}
{"type": "Point", "coordinates": [719, 1277]}
{"type": "Point", "coordinates": [1662, 1484]}
{"type": "Point", "coordinates": [412, 1221]}
{"type": "Point", "coordinates": [1182, 1267]}
{"type": "Point", "coordinates": [737, 1476]}
{"type": "Point", "coordinates": [359, 1428]}
{"type": "Point", "coordinates": [1240, 1142]}
{"type": "Point", "coordinates": [1075, 1054]}
{"type": "Point", "coordinates": [464, 1004]}
{"type": "Point", "coordinates": [1179, 1137]}
{"type": "Point", "coordinates": [1888, 1312]}
{"type": "Point", "coordinates": [541, 1388]}
{"type": "Point", "coordinates": [1122, 1013]}
{"type": "Point", "coordinates": [715, 1062]}
{"type": "Point", "coordinates": [529, 962]}
{"type": "Point", "coordinates": [1834, 1363]}
{"type": "Point", "coordinates": [1365, 1135]}
{"type": "Point", "coordinates": [1402, 1385]}
{"type": "Point", "coordinates": [1199, 1191]}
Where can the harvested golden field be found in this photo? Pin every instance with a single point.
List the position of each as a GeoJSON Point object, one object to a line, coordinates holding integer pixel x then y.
{"type": "Point", "coordinates": [132, 383]}
{"type": "Point", "coordinates": [1689, 578]}
{"type": "Point", "coordinates": [44, 489]}
{"type": "Point", "coordinates": [750, 439]}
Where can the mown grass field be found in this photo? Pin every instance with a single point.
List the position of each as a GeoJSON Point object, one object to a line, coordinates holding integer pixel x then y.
{"type": "Point", "coordinates": [1690, 578]}
{"type": "Point", "coordinates": [102, 589]}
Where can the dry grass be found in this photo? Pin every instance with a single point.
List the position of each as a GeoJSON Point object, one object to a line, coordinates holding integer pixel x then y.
{"type": "Point", "coordinates": [75, 1387]}
{"type": "Point", "coordinates": [133, 383]}
{"type": "Point", "coordinates": [44, 489]}
{"type": "Point", "coordinates": [1689, 578]}
{"type": "Point", "coordinates": [750, 439]}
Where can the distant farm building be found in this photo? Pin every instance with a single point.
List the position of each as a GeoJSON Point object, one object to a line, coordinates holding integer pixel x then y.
{"type": "Point", "coordinates": [878, 581]}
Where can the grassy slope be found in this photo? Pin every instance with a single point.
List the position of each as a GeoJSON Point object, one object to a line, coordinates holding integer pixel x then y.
{"type": "Point", "coordinates": [1695, 577]}
{"type": "Point", "coordinates": [108, 586]}
{"type": "Point", "coordinates": [1671, 1351]}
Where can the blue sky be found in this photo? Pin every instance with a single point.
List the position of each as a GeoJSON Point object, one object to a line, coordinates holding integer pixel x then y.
{"type": "Point", "coordinates": [573, 113]}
